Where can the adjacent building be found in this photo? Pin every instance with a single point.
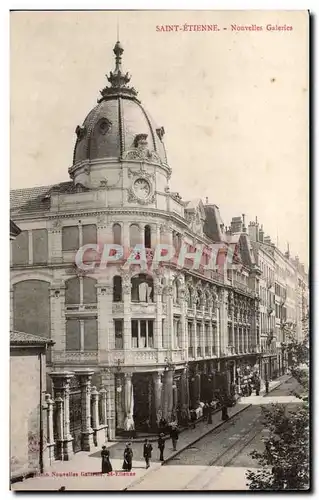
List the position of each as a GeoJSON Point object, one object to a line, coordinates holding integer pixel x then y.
{"type": "Point", "coordinates": [29, 448]}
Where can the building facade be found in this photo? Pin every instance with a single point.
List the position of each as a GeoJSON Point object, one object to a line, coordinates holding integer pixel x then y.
{"type": "Point", "coordinates": [141, 342]}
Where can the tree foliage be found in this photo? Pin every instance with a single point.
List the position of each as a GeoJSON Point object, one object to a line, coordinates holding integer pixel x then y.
{"type": "Point", "coordinates": [284, 461]}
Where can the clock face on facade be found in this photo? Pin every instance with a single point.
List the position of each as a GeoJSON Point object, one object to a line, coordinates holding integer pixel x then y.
{"type": "Point", "coordinates": [142, 188]}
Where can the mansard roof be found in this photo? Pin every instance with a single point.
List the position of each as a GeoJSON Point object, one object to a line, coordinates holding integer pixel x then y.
{"type": "Point", "coordinates": [37, 198]}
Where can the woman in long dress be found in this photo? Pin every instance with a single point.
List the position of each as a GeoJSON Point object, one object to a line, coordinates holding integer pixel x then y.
{"type": "Point", "coordinates": [106, 463]}
{"type": "Point", "coordinates": [128, 457]}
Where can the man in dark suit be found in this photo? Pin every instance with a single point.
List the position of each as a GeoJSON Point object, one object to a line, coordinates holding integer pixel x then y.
{"type": "Point", "coordinates": [147, 452]}
{"type": "Point", "coordinates": [161, 446]}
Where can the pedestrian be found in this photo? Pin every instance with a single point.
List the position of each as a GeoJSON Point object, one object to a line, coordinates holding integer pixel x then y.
{"type": "Point", "coordinates": [174, 437]}
{"type": "Point", "coordinates": [267, 385]}
{"type": "Point", "coordinates": [209, 417]}
{"type": "Point", "coordinates": [147, 452]}
{"type": "Point", "coordinates": [225, 415]}
{"type": "Point", "coordinates": [128, 457]}
{"type": "Point", "coordinates": [193, 418]}
{"type": "Point", "coordinates": [106, 463]}
{"type": "Point", "coordinates": [161, 446]}
{"type": "Point", "coordinates": [249, 388]}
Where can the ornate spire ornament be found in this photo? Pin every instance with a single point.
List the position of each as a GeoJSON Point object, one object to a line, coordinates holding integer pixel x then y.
{"type": "Point", "coordinates": [117, 78]}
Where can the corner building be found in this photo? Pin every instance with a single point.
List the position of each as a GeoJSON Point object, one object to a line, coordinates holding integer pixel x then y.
{"type": "Point", "coordinates": [131, 346]}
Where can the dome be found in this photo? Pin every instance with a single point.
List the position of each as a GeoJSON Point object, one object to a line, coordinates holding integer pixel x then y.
{"type": "Point", "coordinates": [119, 126]}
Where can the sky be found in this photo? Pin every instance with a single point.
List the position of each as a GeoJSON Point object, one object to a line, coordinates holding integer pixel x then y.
{"type": "Point", "coordinates": [234, 104]}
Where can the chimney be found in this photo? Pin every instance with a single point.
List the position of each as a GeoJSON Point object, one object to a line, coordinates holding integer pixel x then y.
{"type": "Point", "coordinates": [236, 225]}
{"type": "Point", "coordinates": [244, 227]}
{"type": "Point", "coordinates": [287, 253]}
{"type": "Point", "coordinates": [261, 234]}
{"type": "Point", "coordinates": [253, 231]}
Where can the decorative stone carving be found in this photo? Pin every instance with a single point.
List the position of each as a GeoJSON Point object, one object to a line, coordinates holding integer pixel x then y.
{"type": "Point", "coordinates": [80, 132]}
{"type": "Point", "coordinates": [140, 173]}
{"type": "Point", "coordinates": [141, 151]}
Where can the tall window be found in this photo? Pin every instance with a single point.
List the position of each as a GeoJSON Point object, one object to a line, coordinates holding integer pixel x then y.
{"type": "Point", "coordinates": [118, 329]}
{"type": "Point", "coordinates": [147, 237]}
{"type": "Point", "coordinates": [117, 234]}
{"type": "Point", "coordinates": [134, 235]}
{"type": "Point", "coordinates": [81, 334]}
{"type": "Point", "coordinates": [81, 331]}
{"type": "Point", "coordinates": [142, 333]}
{"type": "Point", "coordinates": [70, 238]}
{"type": "Point", "coordinates": [117, 289]}
{"type": "Point", "coordinates": [20, 249]}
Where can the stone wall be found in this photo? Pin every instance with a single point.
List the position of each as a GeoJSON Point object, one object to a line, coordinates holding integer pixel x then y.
{"type": "Point", "coordinates": [24, 410]}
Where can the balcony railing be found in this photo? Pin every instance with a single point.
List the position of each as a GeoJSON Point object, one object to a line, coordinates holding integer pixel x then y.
{"type": "Point", "coordinates": [75, 357]}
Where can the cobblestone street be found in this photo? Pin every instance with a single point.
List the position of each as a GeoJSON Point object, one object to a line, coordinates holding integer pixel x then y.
{"type": "Point", "coordinates": [187, 469]}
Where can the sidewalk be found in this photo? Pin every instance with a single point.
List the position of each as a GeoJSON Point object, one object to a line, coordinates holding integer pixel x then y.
{"type": "Point", "coordinates": [75, 474]}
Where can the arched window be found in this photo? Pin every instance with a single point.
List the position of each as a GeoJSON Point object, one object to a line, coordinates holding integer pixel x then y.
{"type": "Point", "coordinates": [117, 234]}
{"type": "Point", "coordinates": [117, 289]}
{"type": "Point", "coordinates": [31, 307]}
{"type": "Point", "coordinates": [142, 288]}
{"type": "Point", "coordinates": [134, 235]}
{"type": "Point", "coordinates": [147, 237]}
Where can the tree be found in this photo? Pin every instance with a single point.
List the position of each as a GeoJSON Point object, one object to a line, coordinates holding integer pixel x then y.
{"type": "Point", "coordinates": [284, 461]}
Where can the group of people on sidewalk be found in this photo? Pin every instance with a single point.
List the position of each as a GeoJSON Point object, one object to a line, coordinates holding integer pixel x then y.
{"type": "Point", "coordinates": [147, 452]}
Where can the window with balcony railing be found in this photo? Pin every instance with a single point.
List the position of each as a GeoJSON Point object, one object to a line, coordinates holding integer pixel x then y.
{"type": "Point", "coordinates": [142, 333]}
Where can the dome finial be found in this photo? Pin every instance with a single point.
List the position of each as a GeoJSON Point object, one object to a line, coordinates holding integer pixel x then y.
{"type": "Point", "coordinates": [118, 79]}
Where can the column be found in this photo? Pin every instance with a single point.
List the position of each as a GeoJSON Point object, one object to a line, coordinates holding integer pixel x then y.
{"type": "Point", "coordinates": [108, 383]}
{"type": "Point", "coordinates": [167, 403]}
{"type": "Point", "coordinates": [170, 316]}
{"type": "Point", "coordinates": [210, 332]}
{"type": "Point", "coordinates": [95, 409]}
{"type": "Point", "coordinates": [223, 321]}
{"type": "Point", "coordinates": [87, 432]}
{"type": "Point", "coordinates": [126, 290]}
{"type": "Point", "coordinates": [61, 388]}
{"type": "Point", "coordinates": [203, 338]}
{"type": "Point", "coordinates": [59, 427]}
{"type": "Point", "coordinates": [217, 339]}
{"type": "Point", "coordinates": [128, 402]}
{"type": "Point", "coordinates": [158, 335]}
{"type": "Point", "coordinates": [194, 332]}
{"type": "Point", "coordinates": [184, 395]}
{"type": "Point", "coordinates": [104, 310]}
{"type": "Point", "coordinates": [197, 389]}
{"type": "Point", "coordinates": [157, 381]}
{"type": "Point", "coordinates": [50, 434]}
{"type": "Point", "coordinates": [103, 406]}
{"type": "Point", "coordinates": [236, 338]}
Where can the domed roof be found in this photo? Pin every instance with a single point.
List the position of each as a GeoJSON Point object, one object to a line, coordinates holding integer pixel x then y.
{"type": "Point", "coordinates": [119, 125]}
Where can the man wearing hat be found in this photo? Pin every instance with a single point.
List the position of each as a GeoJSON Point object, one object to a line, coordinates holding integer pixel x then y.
{"type": "Point", "coordinates": [161, 446]}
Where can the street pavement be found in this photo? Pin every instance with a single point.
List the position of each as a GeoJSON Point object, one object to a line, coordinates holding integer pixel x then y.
{"type": "Point", "coordinates": [76, 474]}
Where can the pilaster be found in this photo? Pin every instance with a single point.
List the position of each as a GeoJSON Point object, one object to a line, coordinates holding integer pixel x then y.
{"type": "Point", "coordinates": [57, 308]}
